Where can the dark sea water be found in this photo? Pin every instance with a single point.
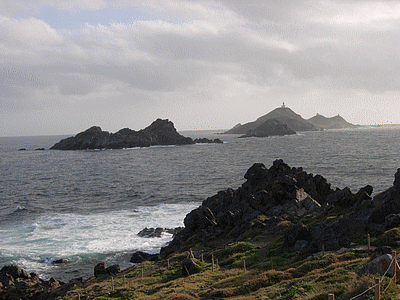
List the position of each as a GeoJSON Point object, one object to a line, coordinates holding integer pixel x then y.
{"type": "Point", "coordinates": [88, 206]}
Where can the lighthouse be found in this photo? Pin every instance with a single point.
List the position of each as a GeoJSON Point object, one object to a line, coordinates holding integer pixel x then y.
{"type": "Point", "coordinates": [283, 105]}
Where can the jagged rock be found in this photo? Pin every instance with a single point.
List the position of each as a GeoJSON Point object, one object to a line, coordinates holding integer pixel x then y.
{"type": "Point", "coordinates": [289, 194]}
{"type": "Point", "coordinates": [15, 272]}
{"type": "Point", "coordinates": [157, 232]}
{"type": "Point", "coordinates": [200, 218]}
{"type": "Point", "coordinates": [16, 283]}
{"type": "Point", "coordinates": [140, 256]}
{"type": "Point", "coordinates": [344, 198]}
{"type": "Point", "coordinates": [364, 194]}
{"type": "Point", "coordinates": [160, 132]}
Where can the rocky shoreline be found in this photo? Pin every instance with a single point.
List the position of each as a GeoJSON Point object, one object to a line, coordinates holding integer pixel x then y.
{"type": "Point", "coordinates": [312, 216]}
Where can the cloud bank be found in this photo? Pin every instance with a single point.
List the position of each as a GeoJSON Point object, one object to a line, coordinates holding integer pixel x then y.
{"type": "Point", "coordinates": [68, 65]}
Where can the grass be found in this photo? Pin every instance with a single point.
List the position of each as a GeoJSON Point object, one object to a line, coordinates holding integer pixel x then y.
{"type": "Point", "coordinates": [307, 279]}
{"type": "Point", "coordinates": [256, 266]}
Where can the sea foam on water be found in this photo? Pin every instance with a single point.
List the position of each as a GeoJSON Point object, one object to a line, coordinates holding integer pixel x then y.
{"type": "Point", "coordinates": [89, 238]}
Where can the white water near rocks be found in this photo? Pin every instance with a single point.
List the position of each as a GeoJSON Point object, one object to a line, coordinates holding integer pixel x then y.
{"type": "Point", "coordinates": [88, 206]}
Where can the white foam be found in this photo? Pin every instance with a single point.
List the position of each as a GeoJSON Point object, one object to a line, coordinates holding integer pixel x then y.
{"type": "Point", "coordinates": [57, 235]}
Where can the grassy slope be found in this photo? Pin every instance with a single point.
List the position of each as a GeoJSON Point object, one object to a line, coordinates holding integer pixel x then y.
{"type": "Point", "coordinates": [272, 272]}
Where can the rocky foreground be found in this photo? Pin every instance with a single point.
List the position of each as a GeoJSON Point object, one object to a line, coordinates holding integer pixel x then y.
{"type": "Point", "coordinates": [282, 194]}
{"type": "Point", "coordinates": [279, 219]}
{"type": "Point", "coordinates": [159, 133]}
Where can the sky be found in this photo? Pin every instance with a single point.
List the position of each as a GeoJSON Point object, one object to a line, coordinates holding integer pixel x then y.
{"type": "Point", "coordinates": [67, 65]}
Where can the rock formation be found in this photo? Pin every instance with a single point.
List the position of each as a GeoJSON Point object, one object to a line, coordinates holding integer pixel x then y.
{"type": "Point", "coordinates": [270, 127]}
{"type": "Point", "coordinates": [285, 195]}
{"type": "Point", "coordinates": [336, 122]}
{"type": "Point", "coordinates": [160, 132]}
{"type": "Point", "coordinates": [282, 114]}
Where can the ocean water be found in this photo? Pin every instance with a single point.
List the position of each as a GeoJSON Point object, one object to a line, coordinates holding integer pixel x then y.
{"type": "Point", "coordinates": [88, 206]}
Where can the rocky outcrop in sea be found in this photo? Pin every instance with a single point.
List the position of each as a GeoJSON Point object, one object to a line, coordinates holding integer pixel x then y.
{"type": "Point", "coordinates": [160, 132]}
{"type": "Point", "coordinates": [271, 127]}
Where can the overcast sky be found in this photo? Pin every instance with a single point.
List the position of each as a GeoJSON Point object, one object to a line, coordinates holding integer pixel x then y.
{"type": "Point", "coordinates": [66, 65]}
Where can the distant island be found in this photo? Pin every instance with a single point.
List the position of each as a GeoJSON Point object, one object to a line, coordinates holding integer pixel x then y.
{"type": "Point", "coordinates": [284, 115]}
{"type": "Point", "coordinates": [160, 132]}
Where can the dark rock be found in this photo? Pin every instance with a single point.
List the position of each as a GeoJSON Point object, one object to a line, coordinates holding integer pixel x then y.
{"type": "Point", "coordinates": [140, 256]}
{"type": "Point", "coordinates": [364, 194]}
{"type": "Point", "coordinates": [151, 232]}
{"type": "Point", "coordinates": [282, 193]}
{"type": "Point", "coordinates": [190, 267]}
{"type": "Point", "coordinates": [296, 233]}
{"type": "Point", "coordinates": [114, 269]}
{"type": "Point", "coordinates": [160, 132]}
{"type": "Point", "coordinates": [100, 269]}
{"type": "Point", "coordinates": [396, 182]}
{"type": "Point", "coordinates": [382, 250]}
{"type": "Point", "coordinates": [392, 221]}
{"type": "Point", "coordinates": [344, 198]}
{"type": "Point", "coordinates": [208, 141]}
{"type": "Point", "coordinates": [270, 127]}
{"type": "Point", "coordinates": [22, 149]}
{"type": "Point", "coordinates": [40, 149]}
{"type": "Point", "coordinates": [15, 272]}
{"type": "Point", "coordinates": [200, 218]}
{"type": "Point", "coordinates": [157, 232]}
{"type": "Point", "coordinates": [60, 261]}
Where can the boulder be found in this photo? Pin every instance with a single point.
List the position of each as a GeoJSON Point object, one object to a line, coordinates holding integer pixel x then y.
{"type": "Point", "coordinates": [140, 256]}
{"type": "Point", "coordinates": [379, 266]}
{"type": "Point", "coordinates": [114, 269]}
{"type": "Point", "coordinates": [60, 261]}
{"type": "Point", "coordinates": [100, 269]}
{"type": "Point", "coordinates": [15, 272]}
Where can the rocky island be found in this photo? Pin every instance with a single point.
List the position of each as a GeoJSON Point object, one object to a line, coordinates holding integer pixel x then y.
{"type": "Point", "coordinates": [283, 234]}
{"type": "Point", "coordinates": [271, 127]}
{"type": "Point", "coordinates": [160, 132]}
{"type": "Point", "coordinates": [293, 121]}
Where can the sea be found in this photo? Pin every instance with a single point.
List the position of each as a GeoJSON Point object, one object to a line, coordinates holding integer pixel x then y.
{"type": "Point", "coordinates": [87, 206]}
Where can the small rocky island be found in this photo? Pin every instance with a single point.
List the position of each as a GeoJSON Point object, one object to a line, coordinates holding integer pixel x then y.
{"type": "Point", "coordinates": [159, 133]}
{"type": "Point", "coordinates": [272, 127]}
